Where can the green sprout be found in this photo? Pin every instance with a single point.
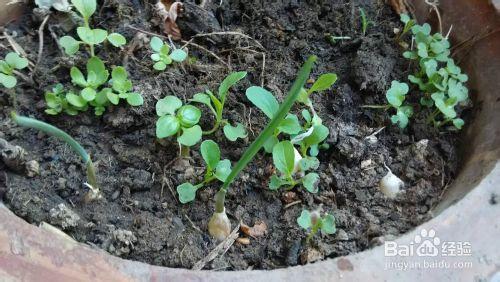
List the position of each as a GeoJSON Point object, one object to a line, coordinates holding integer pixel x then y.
{"type": "Point", "coordinates": [396, 96]}
{"type": "Point", "coordinates": [219, 225]}
{"type": "Point", "coordinates": [94, 192]}
{"type": "Point", "coordinates": [176, 119]}
{"type": "Point", "coordinates": [216, 169]}
{"type": "Point", "coordinates": [97, 75]}
{"type": "Point", "coordinates": [365, 22]}
{"type": "Point", "coordinates": [409, 23]}
{"type": "Point", "coordinates": [332, 39]}
{"type": "Point", "coordinates": [8, 68]}
{"type": "Point", "coordinates": [216, 106]}
{"type": "Point", "coordinates": [313, 222]}
{"type": "Point", "coordinates": [88, 35]}
{"type": "Point", "coordinates": [161, 56]}
{"type": "Point", "coordinates": [290, 164]}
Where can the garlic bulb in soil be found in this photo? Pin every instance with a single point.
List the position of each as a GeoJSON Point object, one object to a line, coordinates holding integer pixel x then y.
{"type": "Point", "coordinates": [390, 185]}
{"type": "Point", "coordinates": [219, 225]}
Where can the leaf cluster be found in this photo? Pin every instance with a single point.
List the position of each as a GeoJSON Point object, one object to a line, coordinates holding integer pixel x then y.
{"type": "Point", "coordinates": [11, 62]}
{"type": "Point", "coordinates": [216, 169]}
{"type": "Point", "coordinates": [313, 222]}
{"type": "Point", "coordinates": [161, 54]}
{"type": "Point", "coordinates": [90, 94]}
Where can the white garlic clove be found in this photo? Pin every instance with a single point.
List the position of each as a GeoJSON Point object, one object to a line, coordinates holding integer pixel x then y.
{"type": "Point", "coordinates": [219, 225]}
{"type": "Point", "coordinates": [390, 185]}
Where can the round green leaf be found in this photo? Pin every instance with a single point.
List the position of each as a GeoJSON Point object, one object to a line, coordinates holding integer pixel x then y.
{"type": "Point", "coordinates": [275, 183]}
{"type": "Point", "coordinates": [167, 126]}
{"type": "Point", "coordinates": [211, 153]}
{"type": "Point", "coordinates": [310, 182]}
{"type": "Point", "coordinates": [155, 57]}
{"type": "Point", "coordinates": [168, 105]}
{"type": "Point", "coordinates": [77, 77]}
{"type": "Point", "coordinates": [190, 136]}
{"type": "Point", "coordinates": [85, 7]}
{"type": "Point", "coordinates": [187, 192]}
{"type": "Point", "coordinates": [320, 132]}
{"type": "Point", "coordinates": [101, 97]}
{"type": "Point", "coordinates": [52, 112]}
{"type": "Point", "coordinates": [178, 55]}
{"type": "Point", "coordinates": [458, 123]}
{"type": "Point", "coordinates": [234, 132]}
{"type": "Point", "coordinates": [8, 81]}
{"type": "Point", "coordinates": [328, 224]}
{"type": "Point", "coordinates": [113, 98]}
{"type": "Point", "coordinates": [70, 45]}
{"type": "Point", "coordinates": [264, 100]}
{"type": "Point", "coordinates": [135, 99]}
{"type": "Point", "coordinates": [15, 61]}
{"type": "Point", "coordinates": [88, 94]}
{"type": "Point", "coordinates": [52, 100]}
{"type": "Point", "coordinates": [97, 66]}
{"type": "Point", "coordinates": [304, 220]}
{"type": "Point", "coordinates": [284, 157]}
{"type": "Point", "coordinates": [159, 66]}
{"type": "Point", "coordinates": [223, 170]}
{"type": "Point", "coordinates": [76, 100]}
{"type": "Point", "coordinates": [269, 144]}
{"type": "Point", "coordinates": [91, 36]}
{"type": "Point", "coordinates": [290, 125]}
{"type": "Point", "coordinates": [117, 39]}
{"type": "Point", "coordinates": [156, 43]}
{"type": "Point", "coordinates": [188, 115]}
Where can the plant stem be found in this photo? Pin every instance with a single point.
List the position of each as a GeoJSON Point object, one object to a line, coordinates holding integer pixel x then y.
{"type": "Point", "coordinates": [56, 132]}
{"type": "Point", "coordinates": [385, 107]}
{"type": "Point", "coordinates": [184, 151]}
{"type": "Point", "coordinates": [266, 133]}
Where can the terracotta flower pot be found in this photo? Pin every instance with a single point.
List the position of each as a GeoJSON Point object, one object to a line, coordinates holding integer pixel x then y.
{"type": "Point", "coordinates": [468, 215]}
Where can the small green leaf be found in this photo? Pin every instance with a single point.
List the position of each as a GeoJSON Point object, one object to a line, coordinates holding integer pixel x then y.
{"type": "Point", "coordinates": [410, 55]}
{"type": "Point", "coordinates": [211, 153]}
{"type": "Point", "coordinates": [159, 66]}
{"type": "Point", "coordinates": [269, 144]}
{"type": "Point", "coordinates": [52, 100]}
{"type": "Point", "coordinates": [396, 94]}
{"type": "Point", "coordinates": [234, 132]}
{"type": "Point", "coordinates": [164, 52]}
{"type": "Point", "coordinates": [113, 98]}
{"type": "Point", "coordinates": [304, 220]}
{"type": "Point", "coordinates": [306, 115]}
{"type": "Point", "coordinates": [156, 43]}
{"type": "Point", "coordinates": [275, 183]}
{"type": "Point", "coordinates": [324, 82]}
{"type": "Point", "coordinates": [167, 126]}
{"type": "Point", "coordinates": [264, 100]}
{"type": "Point", "coordinates": [5, 68]}
{"type": "Point", "coordinates": [284, 157]}
{"type": "Point", "coordinates": [223, 170]}
{"type": "Point", "coordinates": [430, 67]}
{"type": "Point", "coordinates": [119, 80]}
{"type": "Point", "coordinates": [424, 101]}
{"type": "Point", "coordinates": [88, 94]}
{"type": "Point", "coordinates": [187, 192]}
{"type": "Point", "coordinates": [168, 105]}
{"type": "Point", "coordinates": [135, 99]}
{"type": "Point", "coordinates": [77, 77]}
{"type": "Point", "coordinates": [204, 99]}
{"type": "Point", "coordinates": [320, 132]}
{"type": "Point", "coordinates": [76, 100]}
{"type": "Point", "coordinates": [290, 125]}
{"type": "Point", "coordinates": [117, 39]}
{"type": "Point", "coordinates": [188, 115]}
{"type": "Point", "coordinates": [405, 18]}
{"type": "Point", "coordinates": [422, 50]}
{"type": "Point", "coordinates": [70, 45]}
{"type": "Point", "coordinates": [97, 66]}
{"type": "Point", "coordinates": [15, 61]}
{"type": "Point", "coordinates": [229, 81]}
{"type": "Point", "coordinates": [52, 112]}
{"type": "Point", "coordinates": [178, 55]}
{"type": "Point", "coordinates": [308, 163]}
{"type": "Point", "coordinates": [155, 57]}
{"type": "Point", "coordinates": [458, 123]}
{"type": "Point", "coordinates": [101, 97]}
{"type": "Point", "coordinates": [310, 182]}
{"type": "Point", "coordinates": [328, 224]}
{"type": "Point", "coordinates": [85, 7]}
{"type": "Point", "coordinates": [8, 81]}
{"type": "Point", "coordinates": [91, 36]}
{"type": "Point", "coordinates": [190, 136]}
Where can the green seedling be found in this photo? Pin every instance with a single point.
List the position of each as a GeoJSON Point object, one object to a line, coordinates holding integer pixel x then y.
{"type": "Point", "coordinates": [8, 68]}
{"type": "Point", "coordinates": [179, 120]}
{"type": "Point", "coordinates": [91, 94]}
{"type": "Point", "coordinates": [162, 57]}
{"type": "Point", "coordinates": [409, 23]}
{"type": "Point", "coordinates": [216, 106]}
{"type": "Point", "coordinates": [438, 77]}
{"type": "Point", "coordinates": [219, 225]}
{"type": "Point", "coordinates": [94, 192]}
{"type": "Point", "coordinates": [292, 167]}
{"type": "Point", "coordinates": [216, 169]}
{"type": "Point", "coordinates": [396, 96]}
{"type": "Point", "coordinates": [333, 39]}
{"type": "Point", "coordinates": [88, 35]}
{"type": "Point", "coordinates": [365, 22]}
{"type": "Point", "coordinates": [313, 222]}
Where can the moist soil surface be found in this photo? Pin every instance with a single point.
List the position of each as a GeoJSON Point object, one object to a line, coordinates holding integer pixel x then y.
{"type": "Point", "coordinates": [140, 218]}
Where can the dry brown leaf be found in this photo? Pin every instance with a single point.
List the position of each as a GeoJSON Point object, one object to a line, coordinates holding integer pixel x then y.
{"type": "Point", "coordinates": [170, 11]}
{"type": "Point", "coordinates": [259, 229]}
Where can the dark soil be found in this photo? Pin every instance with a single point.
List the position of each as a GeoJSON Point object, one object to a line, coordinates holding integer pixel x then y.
{"type": "Point", "coordinates": [140, 217]}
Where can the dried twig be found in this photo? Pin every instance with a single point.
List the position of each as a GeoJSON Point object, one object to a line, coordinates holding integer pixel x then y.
{"type": "Point", "coordinates": [233, 33]}
{"type": "Point", "coordinates": [56, 39]}
{"type": "Point", "coordinates": [220, 250]}
{"type": "Point", "coordinates": [293, 204]}
{"type": "Point", "coordinates": [40, 42]}
{"type": "Point", "coordinates": [434, 5]}
{"type": "Point", "coordinates": [206, 50]}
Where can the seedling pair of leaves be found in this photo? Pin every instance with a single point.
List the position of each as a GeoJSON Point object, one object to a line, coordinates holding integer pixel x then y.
{"type": "Point", "coordinates": [312, 222]}
{"type": "Point", "coordinates": [292, 168]}
{"type": "Point", "coordinates": [88, 35]}
{"type": "Point", "coordinates": [215, 169]}
{"type": "Point", "coordinates": [396, 95]}
{"type": "Point", "coordinates": [162, 57]}
{"type": "Point", "coordinates": [176, 119]}
{"type": "Point", "coordinates": [12, 62]}
{"type": "Point", "coordinates": [409, 23]}
{"type": "Point", "coordinates": [97, 75]}
{"type": "Point", "coordinates": [216, 106]}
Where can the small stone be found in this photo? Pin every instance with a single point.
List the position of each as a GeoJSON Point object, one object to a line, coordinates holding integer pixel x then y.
{"type": "Point", "coordinates": [63, 216]}
{"type": "Point", "coordinates": [61, 183]}
{"type": "Point", "coordinates": [366, 164]}
{"type": "Point", "coordinates": [137, 179]}
{"type": "Point", "coordinates": [342, 235]}
{"type": "Point", "coordinates": [310, 255]}
{"type": "Point", "coordinates": [32, 168]}
{"type": "Point", "coordinates": [289, 197]}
